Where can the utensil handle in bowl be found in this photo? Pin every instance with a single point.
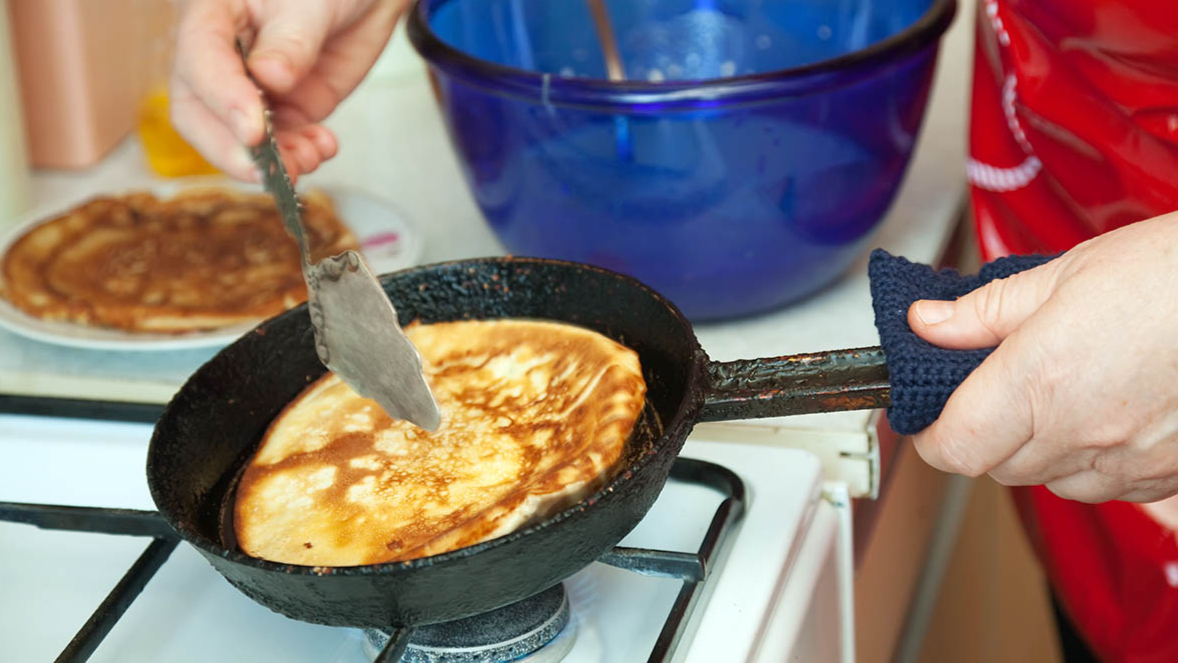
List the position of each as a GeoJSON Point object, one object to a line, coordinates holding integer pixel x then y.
{"type": "Point", "coordinates": [832, 381]}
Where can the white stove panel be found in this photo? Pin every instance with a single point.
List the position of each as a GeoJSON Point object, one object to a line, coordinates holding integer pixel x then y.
{"type": "Point", "coordinates": [54, 580]}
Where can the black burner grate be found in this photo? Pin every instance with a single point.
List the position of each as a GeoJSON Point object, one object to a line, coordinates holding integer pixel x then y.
{"type": "Point", "coordinates": [690, 568]}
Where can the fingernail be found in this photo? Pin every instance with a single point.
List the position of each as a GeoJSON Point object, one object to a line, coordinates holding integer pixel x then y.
{"type": "Point", "coordinates": [241, 124]}
{"type": "Point", "coordinates": [931, 311]}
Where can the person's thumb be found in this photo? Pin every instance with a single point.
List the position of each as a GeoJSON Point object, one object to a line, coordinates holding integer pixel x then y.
{"type": "Point", "coordinates": [288, 43]}
{"type": "Point", "coordinates": [986, 316]}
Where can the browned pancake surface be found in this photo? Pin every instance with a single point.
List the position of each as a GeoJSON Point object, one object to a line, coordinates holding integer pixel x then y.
{"type": "Point", "coordinates": [535, 417]}
{"type": "Point", "coordinates": [204, 259]}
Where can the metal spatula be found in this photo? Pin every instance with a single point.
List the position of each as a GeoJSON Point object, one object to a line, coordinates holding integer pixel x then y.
{"type": "Point", "coordinates": [357, 335]}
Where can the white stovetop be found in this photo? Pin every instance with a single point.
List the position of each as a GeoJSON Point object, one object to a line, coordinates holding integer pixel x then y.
{"type": "Point", "coordinates": [393, 145]}
{"type": "Point", "coordinates": [54, 580]}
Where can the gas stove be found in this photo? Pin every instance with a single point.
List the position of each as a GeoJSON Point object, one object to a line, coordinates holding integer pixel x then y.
{"type": "Point", "coordinates": [693, 582]}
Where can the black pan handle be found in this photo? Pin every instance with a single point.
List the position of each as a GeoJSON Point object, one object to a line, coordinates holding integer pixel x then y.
{"type": "Point", "coordinates": [797, 384]}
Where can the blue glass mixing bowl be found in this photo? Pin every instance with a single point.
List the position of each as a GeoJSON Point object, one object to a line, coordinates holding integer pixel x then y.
{"type": "Point", "coordinates": [743, 162]}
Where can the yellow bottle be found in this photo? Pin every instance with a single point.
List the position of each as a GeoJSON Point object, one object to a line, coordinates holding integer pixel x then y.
{"type": "Point", "coordinates": [167, 153]}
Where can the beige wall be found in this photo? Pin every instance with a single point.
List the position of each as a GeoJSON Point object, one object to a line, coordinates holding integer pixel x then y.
{"type": "Point", "coordinates": [992, 604]}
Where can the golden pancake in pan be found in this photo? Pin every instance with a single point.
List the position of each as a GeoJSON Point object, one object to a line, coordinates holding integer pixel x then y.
{"type": "Point", "coordinates": [535, 416]}
{"type": "Point", "coordinates": [204, 259]}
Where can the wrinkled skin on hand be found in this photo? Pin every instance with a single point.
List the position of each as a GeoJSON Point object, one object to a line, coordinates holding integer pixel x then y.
{"type": "Point", "coordinates": [1081, 394]}
{"type": "Point", "coordinates": [307, 55]}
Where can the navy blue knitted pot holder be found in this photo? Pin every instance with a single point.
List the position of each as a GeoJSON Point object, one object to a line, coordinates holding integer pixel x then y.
{"type": "Point", "coordinates": [922, 375]}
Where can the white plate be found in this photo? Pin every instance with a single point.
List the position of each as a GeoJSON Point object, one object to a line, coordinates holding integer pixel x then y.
{"type": "Point", "coordinates": [386, 240]}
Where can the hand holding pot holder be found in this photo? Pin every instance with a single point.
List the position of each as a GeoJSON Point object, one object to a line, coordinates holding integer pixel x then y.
{"type": "Point", "coordinates": [922, 375]}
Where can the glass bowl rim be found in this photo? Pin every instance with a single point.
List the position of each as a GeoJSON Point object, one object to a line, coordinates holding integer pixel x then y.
{"type": "Point", "coordinates": [636, 95]}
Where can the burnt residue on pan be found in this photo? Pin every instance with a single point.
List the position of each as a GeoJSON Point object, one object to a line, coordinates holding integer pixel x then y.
{"type": "Point", "coordinates": [218, 418]}
{"type": "Point", "coordinates": [830, 381]}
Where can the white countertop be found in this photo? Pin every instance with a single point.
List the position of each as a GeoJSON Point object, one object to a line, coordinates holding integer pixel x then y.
{"type": "Point", "coordinates": [393, 145]}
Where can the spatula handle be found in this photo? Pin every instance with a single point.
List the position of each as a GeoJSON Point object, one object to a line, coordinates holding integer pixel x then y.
{"type": "Point", "coordinates": [273, 173]}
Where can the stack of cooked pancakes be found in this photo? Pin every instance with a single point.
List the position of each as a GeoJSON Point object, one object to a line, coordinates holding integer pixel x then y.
{"type": "Point", "coordinates": [535, 416]}
{"type": "Point", "coordinates": [204, 259]}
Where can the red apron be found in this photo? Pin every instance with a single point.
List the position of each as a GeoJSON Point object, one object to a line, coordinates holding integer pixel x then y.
{"type": "Point", "coordinates": [1074, 132]}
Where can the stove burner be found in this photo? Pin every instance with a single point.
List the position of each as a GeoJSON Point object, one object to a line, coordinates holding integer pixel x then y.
{"type": "Point", "coordinates": [506, 634]}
